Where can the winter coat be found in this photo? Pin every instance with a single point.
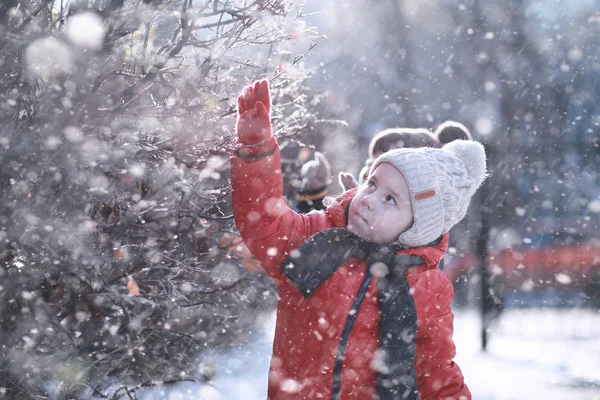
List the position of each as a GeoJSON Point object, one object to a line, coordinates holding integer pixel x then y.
{"type": "Point", "coordinates": [309, 331]}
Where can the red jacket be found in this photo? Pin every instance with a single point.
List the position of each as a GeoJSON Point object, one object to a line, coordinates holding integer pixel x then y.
{"type": "Point", "coordinates": [309, 330]}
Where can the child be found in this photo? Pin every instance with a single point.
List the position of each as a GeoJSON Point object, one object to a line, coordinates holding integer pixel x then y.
{"type": "Point", "coordinates": [363, 312]}
{"type": "Point", "coordinates": [315, 178]}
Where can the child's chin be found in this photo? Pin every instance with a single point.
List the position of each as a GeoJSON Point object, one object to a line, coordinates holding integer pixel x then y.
{"type": "Point", "coordinates": [352, 228]}
{"type": "Point", "coordinates": [366, 236]}
{"type": "Point", "coordinates": [357, 231]}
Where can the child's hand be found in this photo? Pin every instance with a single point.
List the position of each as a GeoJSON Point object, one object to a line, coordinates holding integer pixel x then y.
{"type": "Point", "coordinates": [254, 123]}
{"type": "Point", "coordinates": [347, 181]}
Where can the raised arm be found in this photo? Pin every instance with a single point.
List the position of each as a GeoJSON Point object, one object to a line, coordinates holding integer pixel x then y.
{"type": "Point", "coordinates": [268, 227]}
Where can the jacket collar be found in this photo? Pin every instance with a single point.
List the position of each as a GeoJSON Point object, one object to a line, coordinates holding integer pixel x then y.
{"type": "Point", "coordinates": [338, 209]}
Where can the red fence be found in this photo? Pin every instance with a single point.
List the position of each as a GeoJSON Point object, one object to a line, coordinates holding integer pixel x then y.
{"type": "Point", "coordinates": [529, 268]}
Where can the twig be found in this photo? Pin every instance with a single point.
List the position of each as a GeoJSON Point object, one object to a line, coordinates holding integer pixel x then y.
{"type": "Point", "coordinates": [156, 383]}
{"type": "Point", "coordinates": [296, 59]}
{"type": "Point", "coordinates": [28, 19]}
{"type": "Point", "coordinates": [132, 91]}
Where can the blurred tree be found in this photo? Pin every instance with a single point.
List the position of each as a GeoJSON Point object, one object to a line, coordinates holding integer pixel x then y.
{"type": "Point", "coordinates": [116, 131]}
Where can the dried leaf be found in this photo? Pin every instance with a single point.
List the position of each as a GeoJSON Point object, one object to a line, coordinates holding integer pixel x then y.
{"type": "Point", "coordinates": [133, 287]}
{"type": "Point", "coordinates": [119, 254]}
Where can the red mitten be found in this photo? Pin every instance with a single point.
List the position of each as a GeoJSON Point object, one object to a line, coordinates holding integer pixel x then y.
{"type": "Point", "coordinates": [254, 122]}
{"type": "Point", "coordinates": [347, 181]}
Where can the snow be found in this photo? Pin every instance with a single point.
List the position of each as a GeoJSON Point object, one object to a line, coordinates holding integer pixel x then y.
{"type": "Point", "coordinates": [86, 30]}
{"type": "Point", "coordinates": [49, 57]}
{"type": "Point", "coordinates": [532, 354]}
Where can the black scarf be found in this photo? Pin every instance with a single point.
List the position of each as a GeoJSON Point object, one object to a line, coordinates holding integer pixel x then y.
{"type": "Point", "coordinates": [321, 255]}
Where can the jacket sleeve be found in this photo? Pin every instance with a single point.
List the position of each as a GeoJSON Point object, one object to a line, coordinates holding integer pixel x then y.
{"type": "Point", "coordinates": [438, 376]}
{"type": "Point", "coordinates": [268, 227]}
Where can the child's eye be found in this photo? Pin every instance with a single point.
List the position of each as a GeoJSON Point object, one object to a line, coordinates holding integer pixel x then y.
{"type": "Point", "coordinates": [390, 200]}
{"type": "Point", "coordinates": [371, 185]}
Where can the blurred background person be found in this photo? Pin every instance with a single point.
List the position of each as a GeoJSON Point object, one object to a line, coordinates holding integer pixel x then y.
{"type": "Point", "coordinates": [315, 177]}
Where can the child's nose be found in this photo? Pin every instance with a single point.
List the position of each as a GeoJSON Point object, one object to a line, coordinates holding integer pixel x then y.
{"type": "Point", "coordinates": [368, 201]}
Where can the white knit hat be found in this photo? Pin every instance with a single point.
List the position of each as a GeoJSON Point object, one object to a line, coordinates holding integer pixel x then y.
{"type": "Point", "coordinates": [441, 183]}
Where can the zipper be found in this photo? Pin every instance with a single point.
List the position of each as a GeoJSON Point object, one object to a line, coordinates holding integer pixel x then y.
{"type": "Point", "coordinates": [339, 359]}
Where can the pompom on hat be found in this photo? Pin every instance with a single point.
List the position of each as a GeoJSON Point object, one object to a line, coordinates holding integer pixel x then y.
{"type": "Point", "coordinates": [441, 183]}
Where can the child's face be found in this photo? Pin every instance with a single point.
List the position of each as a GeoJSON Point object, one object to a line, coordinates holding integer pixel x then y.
{"type": "Point", "coordinates": [381, 210]}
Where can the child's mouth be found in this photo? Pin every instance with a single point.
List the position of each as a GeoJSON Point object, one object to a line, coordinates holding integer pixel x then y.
{"type": "Point", "coordinates": [363, 218]}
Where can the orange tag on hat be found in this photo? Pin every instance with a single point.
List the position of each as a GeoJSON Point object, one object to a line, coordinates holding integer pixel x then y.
{"type": "Point", "coordinates": [425, 195]}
